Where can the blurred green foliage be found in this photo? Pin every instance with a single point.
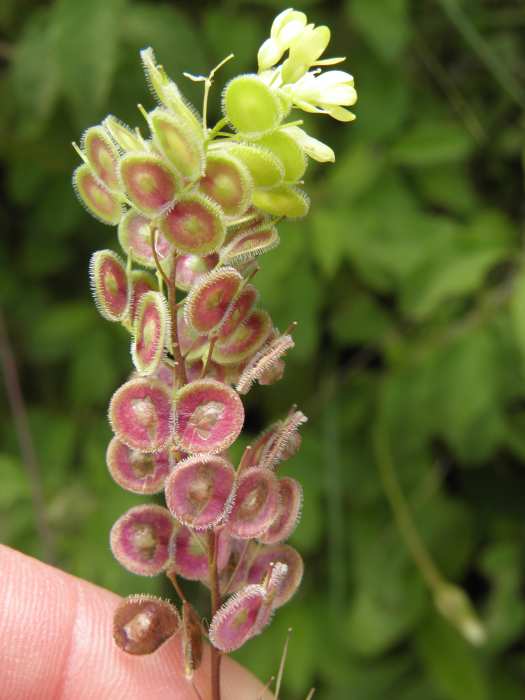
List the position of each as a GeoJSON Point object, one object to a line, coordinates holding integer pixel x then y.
{"type": "Point", "coordinates": [408, 282]}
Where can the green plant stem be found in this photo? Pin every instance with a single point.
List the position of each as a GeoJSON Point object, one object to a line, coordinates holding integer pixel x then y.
{"type": "Point", "coordinates": [215, 600]}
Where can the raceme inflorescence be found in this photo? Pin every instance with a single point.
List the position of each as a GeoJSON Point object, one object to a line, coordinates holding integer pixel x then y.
{"type": "Point", "coordinates": [195, 209]}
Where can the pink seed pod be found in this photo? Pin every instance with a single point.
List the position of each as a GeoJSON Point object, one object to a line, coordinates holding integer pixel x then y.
{"type": "Point", "coordinates": [238, 311]}
{"type": "Point", "coordinates": [102, 156]}
{"type": "Point", "coordinates": [140, 539]}
{"type": "Point", "coordinates": [122, 135]}
{"type": "Point", "coordinates": [140, 282]}
{"type": "Point", "coordinates": [263, 362]}
{"type": "Point", "coordinates": [214, 371]}
{"type": "Point", "coordinates": [273, 374]}
{"type": "Point", "coordinates": [149, 183]}
{"type": "Point", "coordinates": [192, 635]}
{"type": "Point", "coordinates": [256, 503]}
{"type": "Point", "coordinates": [288, 512]}
{"type": "Point", "coordinates": [165, 373]}
{"type": "Point", "coordinates": [192, 268]}
{"type": "Point", "coordinates": [207, 303]}
{"type": "Point", "coordinates": [237, 620]}
{"type": "Point", "coordinates": [99, 201]}
{"type": "Point", "coordinates": [175, 139]}
{"type": "Point", "coordinates": [190, 553]}
{"type": "Point", "coordinates": [250, 243]}
{"type": "Point", "coordinates": [191, 344]}
{"type": "Point", "coordinates": [109, 284]}
{"type": "Point", "coordinates": [134, 235]}
{"type": "Point", "coordinates": [210, 416]}
{"type": "Point", "coordinates": [233, 575]}
{"type": "Point", "coordinates": [142, 623]}
{"type": "Point", "coordinates": [151, 331]}
{"type": "Point", "coordinates": [249, 337]}
{"type": "Point", "coordinates": [141, 414]}
{"type": "Point", "coordinates": [194, 225]}
{"type": "Point", "coordinates": [138, 472]}
{"type": "Point", "coordinates": [272, 555]}
{"type": "Point", "coordinates": [228, 182]}
{"type": "Point", "coordinates": [200, 490]}
{"type": "Point", "coordinates": [286, 441]}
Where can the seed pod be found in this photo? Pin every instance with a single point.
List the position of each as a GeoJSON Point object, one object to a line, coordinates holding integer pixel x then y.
{"type": "Point", "coordinates": [151, 331]}
{"type": "Point", "coordinates": [273, 373]}
{"type": "Point", "coordinates": [289, 153]}
{"type": "Point", "coordinates": [191, 344]}
{"type": "Point", "coordinates": [256, 503]}
{"type": "Point", "coordinates": [288, 512]}
{"type": "Point", "coordinates": [191, 639]}
{"type": "Point", "coordinates": [165, 373]}
{"type": "Point", "coordinates": [214, 371]}
{"type": "Point", "coordinates": [121, 134]}
{"type": "Point", "coordinates": [228, 182]}
{"type": "Point", "coordinates": [141, 414]}
{"type": "Point", "coordinates": [99, 202]}
{"type": "Point", "coordinates": [194, 225]}
{"type": "Point", "coordinates": [265, 168]}
{"type": "Point", "coordinates": [140, 539]}
{"type": "Point", "coordinates": [245, 341]}
{"type": "Point", "coordinates": [199, 491]}
{"type": "Point", "coordinates": [207, 303]}
{"type": "Point", "coordinates": [251, 106]}
{"type": "Point", "coordinates": [142, 623]}
{"type": "Point", "coordinates": [190, 553]}
{"type": "Point", "coordinates": [237, 620]}
{"type": "Point", "coordinates": [238, 311]}
{"type": "Point", "coordinates": [109, 284]}
{"type": "Point", "coordinates": [278, 553]}
{"type": "Point", "coordinates": [155, 75]}
{"type": "Point", "coordinates": [141, 282]}
{"type": "Point", "coordinates": [150, 185]}
{"type": "Point", "coordinates": [285, 441]}
{"type": "Point", "coordinates": [138, 472]}
{"type": "Point", "coordinates": [177, 143]}
{"type": "Point", "coordinates": [102, 156]}
{"type": "Point", "coordinates": [233, 575]}
{"type": "Point", "coordinates": [250, 243]}
{"type": "Point", "coordinates": [192, 268]}
{"type": "Point", "coordinates": [263, 362]}
{"type": "Point", "coordinates": [134, 235]}
{"type": "Point", "coordinates": [282, 201]}
{"type": "Point", "coordinates": [210, 416]}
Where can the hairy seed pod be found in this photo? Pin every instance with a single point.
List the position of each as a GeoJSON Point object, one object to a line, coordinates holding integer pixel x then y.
{"type": "Point", "coordinates": [207, 303]}
{"type": "Point", "coordinates": [251, 106]}
{"type": "Point", "coordinates": [177, 143]}
{"type": "Point", "coordinates": [210, 416]}
{"type": "Point", "coordinates": [109, 284]}
{"type": "Point", "coordinates": [288, 512]}
{"type": "Point", "coordinates": [263, 362]}
{"type": "Point", "coordinates": [265, 168]}
{"type": "Point", "coordinates": [140, 539]}
{"type": "Point", "coordinates": [192, 635]}
{"type": "Point", "coordinates": [141, 282]}
{"type": "Point", "coordinates": [150, 184]}
{"type": "Point", "coordinates": [289, 153]}
{"type": "Point", "coordinates": [142, 623]}
{"type": "Point", "coordinates": [151, 330]}
{"type": "Point", "coordinates": [238, 311]}
{"type": "Point", "coordinates": [165, 372]}
{"type": "Point", "coordinates": [141, 414]}
{"type": "Point", "coordinates": [191, 344]}
{"type": "Point", "coordinates": [122, 135]}
{"type": "Point", "coordinates": [134, 235]}
{"type": "Point", "coordinates": [190, 553]}
{"type": "Point", "coordinates": [237, 620]}
{"type": "Point", "coordinates": [273, 373]}
{"type": "Point", "coordinates": [285, 441]}
{"type": "Point", "coordinates": [192, 268]}
{"type": "Point", "coordinates": [256, 503]}
{"type": "Point", "coordinates": [102, 156]}
{"type": "Point", "coordinates": [228, 182]}
{"type": "Point", "coordinates": [99, 201]}
{"type": "Point", "coordinates": [245, 341]}
{"type": "Point", "coordinates": [138, 472]}
{"type": "Point", "coordinates": [271, 555]}
{"type": "Point", "coordinates": [199, 491]}
{"type": "Point", "coordinates": [155, 75]}
{"type": "Point", "coordinates": [250, 243]}
{"type": "Point", "coordinates": [194, 225]}
{"type": "Point", "coordinates": [213, 371]}
{"type": "Point", "coordinates": [284, 200]}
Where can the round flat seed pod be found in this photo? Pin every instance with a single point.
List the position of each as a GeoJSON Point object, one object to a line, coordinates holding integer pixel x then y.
{"type": "Point", "coordinates": [285, 441]}
{"type": "Point", "coordinates": [273, 554]}
{"type": "Point", "coordinates": [140, 539]}
{"type": "Point", "coordinates": [138, 472]}
{"type": "Point", "coordinates": [141, 282]}
{"type": "Point", "coordinates": [210, 416]}
{"type": "Point", "coordinates": [228, 182]}
{"type": "Point", "coordinates": [288, 512]}
{"type": "Point", "coordinates": [192, 345]}
{"type": "Point", "coordinates": [121, 134]}
{"type": "Point", "coordinates": [165, 373]}
{"type": "Point", "coordinates": [207, 303]}
{"type": "Point", "coordinates": [199, 491]}
{"type": "Point", "coordinates": [141, 414]}
{"type": "Point", "coordinates": [192, 268]}
{"type": "Point", "coordinates": [238, 311]}
{"type": "Point", "coordinates": [142, 623]}
{"type": "Point", "coordinates": [194, 225]}
{"type": "Point", "coordinates": [109, 284]}
{"type": "Point", "coordinates": [190, 553]}
{"type": "Point", "coordinates": [102, 156]}
{"type": "Point", "coordinates": [249, 244]}
{"type": "Point", "coordinates": [99, 201]}
{"type": "Point", "coordinates": [151, 331]}
{"type": "Point", "coordinates": [150, 184]}
{"type": "Point", "coordinates": [265, 168]}
{"type": "Point", "coordinates": [238, 619]}
{"type": "Point", "coordinates": [256, 503]}
{"type": "Point", "coordinates": [289, 153]}
{"type": "Point", "coordinates": [214, 371]}
{"type": "Point", "coordinates": [250, 106]}
{"type": "Point", "coordinates": [260, 367]}
{"type": "Point", "coordinates": [245, 341]}
{"type": "Point", "coordinates": [182, 109]}
{"type": "Point", "coordinates": [283, 201]}
{"type": "Point", "coordinates": [177, 143]}
{"type": "Point", "coordinates": [134, 235]}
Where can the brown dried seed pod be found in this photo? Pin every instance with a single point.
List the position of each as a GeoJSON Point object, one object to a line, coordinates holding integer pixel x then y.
{"type": "Point", "coordinates": [142, 623]}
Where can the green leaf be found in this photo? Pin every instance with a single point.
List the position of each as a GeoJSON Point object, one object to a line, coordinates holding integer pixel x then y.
{"type": "Point", "coordinates": [359, 319]}
{"type": "Point", "coordinates": [431, 143]}
{"type": "Point", "coordinates": [385, 25]}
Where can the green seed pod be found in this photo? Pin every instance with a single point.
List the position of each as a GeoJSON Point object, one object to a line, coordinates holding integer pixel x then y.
{"type": "Point", "coordinates": [155, 74]}
{"type": "Point", "coordinates": [99, 202]}
{"type": "Point", "coordinates": [194, 225]}
{"type": "Point", "coordinates": [182, 109]}
{"type": "Point", "coordinates": [283, 201]}
{"type": "Point", "coordinates": [151, 331]}
{"type": "Point", "coordinates": [102, 156]}
{"type": "Point", "coordinates": [109, 283]}
{"type": "Point", "coordinates": [177, 143]}
{"type": "Point", "coordinates": [149, 183]}
{"type": "Point", "coordinates": [228, 182]}
{"type": "Point", "coordinates": [121, 134]}
{"type": "Point", "coordinates": [249, 244]}
{"type": "Point", "coordinates": [289, 153]}
{"type": "Point", "coordinates": [265, 168]}
{"type": "Point", "coordinates": [251, 106]}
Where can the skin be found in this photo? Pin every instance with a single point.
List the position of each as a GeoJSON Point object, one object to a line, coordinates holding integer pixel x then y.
{"type": "Point", "coordinates": [56, 644]}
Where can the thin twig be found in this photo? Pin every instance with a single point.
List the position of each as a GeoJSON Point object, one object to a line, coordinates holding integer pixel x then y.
{"type": "Point", "coordinates": [282, 664]}
{"type": "Point", "coordinates": [215, 596]}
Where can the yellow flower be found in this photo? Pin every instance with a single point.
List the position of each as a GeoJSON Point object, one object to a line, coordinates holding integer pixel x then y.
{"type": "Point", "coordinates": [324, 93]}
